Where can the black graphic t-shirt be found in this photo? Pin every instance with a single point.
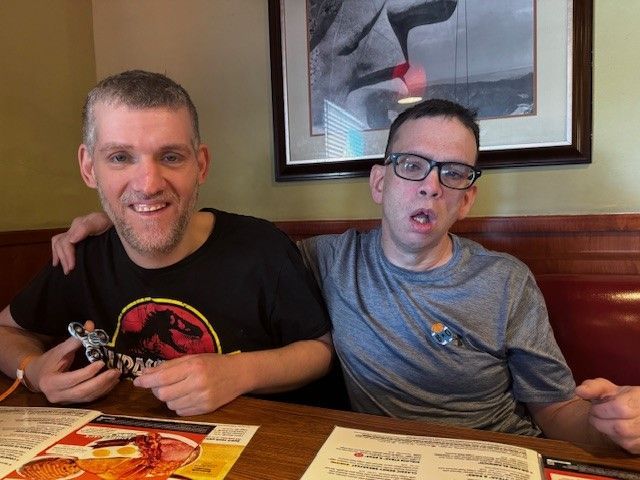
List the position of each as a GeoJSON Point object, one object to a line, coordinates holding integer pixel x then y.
{"type": "Point", "coordinates": [244, 289]}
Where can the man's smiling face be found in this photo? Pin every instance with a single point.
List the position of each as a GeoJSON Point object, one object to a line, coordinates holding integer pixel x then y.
{"type": "Point", "coordinates": [147, 172]}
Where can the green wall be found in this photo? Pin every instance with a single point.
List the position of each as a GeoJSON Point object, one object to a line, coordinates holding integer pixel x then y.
{"type": "Point", "coordinates": [219, 50]}
{"type": "Point", "coordinates": [47, 66]}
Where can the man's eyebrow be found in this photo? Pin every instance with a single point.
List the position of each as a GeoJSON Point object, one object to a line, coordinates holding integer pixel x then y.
{"type": "Point", "coordinates": [108, 147]}
{"type": "Point", "coordinates": [114, 146]}
{"type": "Point", "coordinates": [175, 146]}
{"type": "Point", "coordinates": [429, 157]}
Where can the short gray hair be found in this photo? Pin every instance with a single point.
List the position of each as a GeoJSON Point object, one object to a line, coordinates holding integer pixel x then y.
{"type": "Point", "coordinates": [136, 89]}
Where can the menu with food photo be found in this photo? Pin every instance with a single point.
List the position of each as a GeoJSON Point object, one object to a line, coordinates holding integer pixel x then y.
{"type": "Point", "coordinates": [67, 443]}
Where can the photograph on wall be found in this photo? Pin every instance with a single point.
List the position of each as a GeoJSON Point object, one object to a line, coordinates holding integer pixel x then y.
{"type": "Point", "coordinates": [368, 61]}
{"type": "Point", "coordinates": [343, 70]}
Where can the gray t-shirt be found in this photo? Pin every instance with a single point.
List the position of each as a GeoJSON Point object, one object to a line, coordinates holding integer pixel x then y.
{"type": "Point", "coordinates": [387, 322]}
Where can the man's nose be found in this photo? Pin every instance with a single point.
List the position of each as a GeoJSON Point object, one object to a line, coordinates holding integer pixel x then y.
{"type": "Point", "coordinates": [430, 186]}
{"type": "Point", "coordinates": [149, 178]}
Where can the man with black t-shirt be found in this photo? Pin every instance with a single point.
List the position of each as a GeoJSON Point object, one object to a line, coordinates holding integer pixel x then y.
{"type": "Point", "coordinates": [200, 306]}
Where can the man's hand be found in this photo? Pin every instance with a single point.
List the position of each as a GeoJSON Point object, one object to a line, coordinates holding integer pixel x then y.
{"type": "Point", "coordinates": [201, 383]}
{"type": "Point", "coordinates": [615, 411]}
{"type": "Point", "coordinates": [50, 374]}
{"type": "Point", "coordinates": [63, 248]}
{"type": "Point", "coordinates": [195, 384]}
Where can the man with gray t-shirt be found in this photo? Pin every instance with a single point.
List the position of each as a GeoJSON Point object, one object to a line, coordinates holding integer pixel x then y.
{"type": "Point", "coordinates": [466, 343]}
{"type": "Point", "coordinates": [428, 325]}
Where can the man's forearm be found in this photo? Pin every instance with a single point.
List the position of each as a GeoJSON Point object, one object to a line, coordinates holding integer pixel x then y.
{"type": "Point", "coordinates": [16, 344]}
{"type": "Point", "coordinates": [286, 368]}
{"type": "Point", "coordinates": [568, 421]}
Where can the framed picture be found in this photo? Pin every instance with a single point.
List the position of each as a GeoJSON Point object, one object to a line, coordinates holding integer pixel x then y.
{"type": "Point", "coordinates": [342, 70]}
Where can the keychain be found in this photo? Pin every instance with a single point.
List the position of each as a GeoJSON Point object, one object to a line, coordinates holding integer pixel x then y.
{"type": "Point", "coordinates": [92, 341]}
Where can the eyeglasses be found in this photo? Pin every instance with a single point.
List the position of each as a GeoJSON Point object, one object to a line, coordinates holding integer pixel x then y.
{"type": "Point", "coordinates": [410, 166]}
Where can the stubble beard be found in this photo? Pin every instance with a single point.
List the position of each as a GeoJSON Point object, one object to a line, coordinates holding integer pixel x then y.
{"type": "Point", "coordinates": [154, 240]}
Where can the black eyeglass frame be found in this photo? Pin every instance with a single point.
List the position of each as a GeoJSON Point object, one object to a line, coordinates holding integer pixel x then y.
{"type": "Point", "coordinates": [393, 158]}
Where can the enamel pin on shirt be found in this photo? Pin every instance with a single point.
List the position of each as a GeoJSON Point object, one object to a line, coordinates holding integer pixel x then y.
{"type": "Point", "coordinates": [441, 333]}
{"type": "Point", "coordinates": [92, 341]}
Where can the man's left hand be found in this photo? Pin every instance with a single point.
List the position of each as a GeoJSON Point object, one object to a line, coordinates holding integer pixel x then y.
{"type": "Point", "coordinates": [615, 411]}
{"type": "Point", "coordinates": [194, 384]}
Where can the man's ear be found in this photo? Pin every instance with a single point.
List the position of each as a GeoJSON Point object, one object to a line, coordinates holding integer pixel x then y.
{"type": "Point", "coordinates": [86, 166]}
{"type": "Point", "coordinates": [203, 157]}
{"type": "Point", "coordinates": [376, 182]}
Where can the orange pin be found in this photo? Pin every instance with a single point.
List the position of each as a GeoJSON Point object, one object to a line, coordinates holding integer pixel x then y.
{"type": "Point", "coordinates": [441, 333]}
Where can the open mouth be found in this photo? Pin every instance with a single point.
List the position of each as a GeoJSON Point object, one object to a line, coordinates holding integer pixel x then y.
{"type": "Point", "coordinates": [423, 217]}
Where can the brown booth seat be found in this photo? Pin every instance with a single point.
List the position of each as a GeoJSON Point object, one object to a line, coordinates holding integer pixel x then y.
{"type": "Point", "coordinates": [595, 317]}
{"type": "Point", "coordinates": [596, 322]}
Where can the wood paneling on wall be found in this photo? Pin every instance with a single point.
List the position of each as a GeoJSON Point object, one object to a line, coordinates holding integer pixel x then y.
{"type": "Point", "coordinates": [548, 244]}
{"type": "Point", "coordinates": [22, 255]}
{"type": "Point", "coordinates": [563, 244]}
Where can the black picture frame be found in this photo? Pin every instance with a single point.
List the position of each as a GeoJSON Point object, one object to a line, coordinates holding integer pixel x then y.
{"type": "Point", "coordinates": [577, 152]}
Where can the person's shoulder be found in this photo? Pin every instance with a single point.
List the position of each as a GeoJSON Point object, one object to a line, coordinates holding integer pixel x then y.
{"type": "Point", "coordinates": [502, 259]}
{"type": "Point", "coordinates": [339, 243]}
{"type": "Point", "coordinates": [97, 243]}
{"type": "Point", "coordinates": [248, 228]}
{"type": "Point", "coordinates": [98, 250]}
{"type": "Point", "coordinates": [330, 240]}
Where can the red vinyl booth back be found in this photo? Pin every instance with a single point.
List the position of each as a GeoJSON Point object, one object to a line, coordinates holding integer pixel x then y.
{"type": "Point", "coordinates": [596, 322]}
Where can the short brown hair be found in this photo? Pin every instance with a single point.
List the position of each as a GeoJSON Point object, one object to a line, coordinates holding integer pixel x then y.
{"type": "Point", "coordinates": [435, 107]}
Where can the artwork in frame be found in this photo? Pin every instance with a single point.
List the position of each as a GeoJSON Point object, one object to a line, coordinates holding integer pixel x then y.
{"type": "Point", "coordinates": [342, 70]}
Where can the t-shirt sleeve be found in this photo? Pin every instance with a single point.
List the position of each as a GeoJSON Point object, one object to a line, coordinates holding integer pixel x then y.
{"type": "Point", "coordinates": [319, 254]}
{"type": "Point", "coordinates": [44, 305]}
{"type": "Point", "coordinates": [299, 310]}
{"type": "Point", "coordinates": [308, 250]}
{"type": "Point", "coordinates": [539, 370]}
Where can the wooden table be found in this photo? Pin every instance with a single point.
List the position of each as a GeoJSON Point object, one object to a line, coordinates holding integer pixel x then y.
{"type": "Point", "coordinates": [290, 435]}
